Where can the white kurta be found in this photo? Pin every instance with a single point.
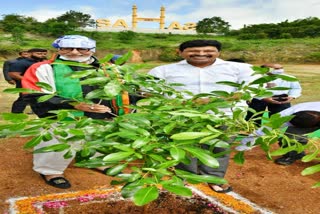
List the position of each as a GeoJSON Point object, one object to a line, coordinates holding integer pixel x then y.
{"type": "Point", "coordinates": [294, 91]}
{"type": "Point", "coordinates": [204, 80]}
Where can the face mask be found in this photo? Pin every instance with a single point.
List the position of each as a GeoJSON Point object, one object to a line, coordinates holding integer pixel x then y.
{"type": "Point", "coordinates": [78, 59]}
{"type": "Point", "coordinates": [277, 71]}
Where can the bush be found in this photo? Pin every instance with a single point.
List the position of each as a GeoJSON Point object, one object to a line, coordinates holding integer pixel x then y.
{"type": "Point", "coordinates": [285, 36]}
{"type": "Point", "coordinates": [160, 36]}
{"type": "Point", "coordinates": [313, 57]}
{"type": "Point", "coordinates": [169, 55]}
{"type": "Point", "coordinates": [127, 36]}
{"type": "Point", "coordinates": [11, 49]}
{"type": "Point", "coordinates": [247, 36]}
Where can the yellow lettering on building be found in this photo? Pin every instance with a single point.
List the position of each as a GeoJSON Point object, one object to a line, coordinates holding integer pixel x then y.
{"type": "Point", "coordinates": [175, 26]}
{"type": "Point", "coordinates": [120, 23]}
{"type": "Point", "coordinates": [103, 23]}
{"type": "Point", "coordinates": [189, 26]}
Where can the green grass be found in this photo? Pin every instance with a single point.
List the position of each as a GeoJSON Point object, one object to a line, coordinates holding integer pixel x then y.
{"type": "Point", "coordinates": [301, 50]}
{"type": "Point", "coordinates": [293, 53]}
{"type": "Point", "coordinates": [307, 74]}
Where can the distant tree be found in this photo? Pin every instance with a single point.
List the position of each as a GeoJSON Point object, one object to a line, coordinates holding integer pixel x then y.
{"type": "Point", "coordinates": [285, 36]}
{"type": "Point", "coordinates": [12, 22]}
{"type": "Point", "coordinates": [213, 25]}
{"type": "Point", "coordinates": [52, 27]}
{"type": "Point", "coordinates": [300, 28]}
{"type": "Point", "coordinates": [17, 25]}
{"type": "Point", "coordinates": [76, 19]}
{"type": "Point", "coordinates": [127, 36]}
{"type": "Point", "coordinates": [17, 35]}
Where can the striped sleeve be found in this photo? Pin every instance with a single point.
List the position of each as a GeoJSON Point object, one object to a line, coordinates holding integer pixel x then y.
{"type": "Point", "coordinates": [39, 72]}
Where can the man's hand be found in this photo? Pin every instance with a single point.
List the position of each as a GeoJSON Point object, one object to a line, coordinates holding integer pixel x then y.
{"type": "Point", "coordinates": [271, 101]}
{"type": "Point", "coordinates": [11, 82]}
{"type": "Point", "coordinates": [15, 75]}
{"type": "Point", "coordinates": [288, 100]}
{"type": "Point", "coordinates": [96, 108]}
{"type": "Point", "coordinates": [202, 101]}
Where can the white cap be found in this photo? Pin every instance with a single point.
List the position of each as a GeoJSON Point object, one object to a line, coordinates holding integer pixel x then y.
{"type": "Point", "coordinates": [74, 41]}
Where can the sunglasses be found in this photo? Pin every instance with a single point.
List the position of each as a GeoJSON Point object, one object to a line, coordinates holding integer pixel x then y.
{"type": "Point", "coordinates": [80, 50]}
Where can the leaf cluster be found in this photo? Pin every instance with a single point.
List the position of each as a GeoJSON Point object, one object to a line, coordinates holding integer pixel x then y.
{"type": "Point", "coordinates": [142, 150]}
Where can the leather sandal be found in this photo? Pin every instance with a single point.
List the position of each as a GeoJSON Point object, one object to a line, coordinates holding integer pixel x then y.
{"type": "Point", "coordinates": [58, 182]}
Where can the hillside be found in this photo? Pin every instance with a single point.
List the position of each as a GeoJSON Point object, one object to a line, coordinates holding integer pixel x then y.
{"type": "Point", "coordinates": [153, 47]}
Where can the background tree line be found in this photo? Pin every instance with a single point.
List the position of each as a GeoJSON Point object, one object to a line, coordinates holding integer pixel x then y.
{"type": "Point", "coordinates": [300, 28]}
{"type": "Point", "coordinates": [299, 44]}
{"type": "Point", "coordinates": [17, 25]}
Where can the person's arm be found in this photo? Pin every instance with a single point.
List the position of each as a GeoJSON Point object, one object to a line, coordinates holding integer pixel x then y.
{"type": "Point", "coordinates": [16, 70]}
{"type": "Point", "coordinates": [43, 72]}
{"type": "Point", "coordinates": [270, 100]}
{"type": "Point", "coordinates": [158, 72]}
{"type": "Point", "coordinates": [294, 92]}
{"type": "Point", "coordinates": [6, 67]}
{"type": "Point", "coordinates": [246, 73]}
{"type": "Point", "coordinates": [15, 75]}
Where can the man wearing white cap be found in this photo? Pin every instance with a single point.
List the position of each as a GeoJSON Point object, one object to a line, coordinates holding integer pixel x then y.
{"type": "Point", "coordinates": [74, 48]}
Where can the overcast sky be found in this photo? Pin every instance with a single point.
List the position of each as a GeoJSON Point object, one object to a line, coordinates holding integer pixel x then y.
{"type": "Point", "coordinates": [236, 12]}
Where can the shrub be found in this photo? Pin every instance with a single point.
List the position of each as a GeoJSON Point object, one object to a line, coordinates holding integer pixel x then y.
{"type": "Point", "coordinates": [313, 57]}
{"type": "Point", "coordinates": [169, 55]}
{"type": "Point", "coordinates": [247, 36]}
{"type": "Point", "coordinates": [285, 36]}
{"type": "Point", "coordinates": [127, 36]}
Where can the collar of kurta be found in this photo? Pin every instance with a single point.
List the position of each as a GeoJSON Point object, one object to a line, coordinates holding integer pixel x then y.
{"type": "Point", "coordinates": [217, 62]}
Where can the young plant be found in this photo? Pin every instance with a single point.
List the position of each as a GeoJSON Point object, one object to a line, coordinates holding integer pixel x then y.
{"type": "Point", "coordinates": [142, 149]}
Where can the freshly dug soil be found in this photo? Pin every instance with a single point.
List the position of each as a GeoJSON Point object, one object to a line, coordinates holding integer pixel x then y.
{"type": "Point", "coordinates": [165, 204]}
{"type": "Point", "coordinates": [280, 189]}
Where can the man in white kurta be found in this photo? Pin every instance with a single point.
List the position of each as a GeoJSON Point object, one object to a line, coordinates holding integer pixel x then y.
{"type": "Point", "coordinates": [200, 72]}
{"type": "Point", "coordinates": [281, 99]}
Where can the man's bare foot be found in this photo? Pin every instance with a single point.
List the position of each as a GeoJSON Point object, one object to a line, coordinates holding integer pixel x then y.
{"type": "Point", "coordinates": [220, 188]}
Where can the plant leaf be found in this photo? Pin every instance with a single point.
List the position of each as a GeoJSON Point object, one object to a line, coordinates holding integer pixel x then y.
{"type": "Point", "coordinates": [203, 156]}
{"type": "Point", "coordinates": [311, 170]}
{"type": "Point", "coordinates": [116, 169]}
{"type": "Point", "coordinates": [177, 189]}
{"type": "Point", "coordinates": [310, 157]}
{"type": "Point", "coordinates": [44, 86]}
{"type": "Point", "coordinates": [145, 195]}
{"type": "Point", "coordinates": [45, 98]}
{"type": "Point", "coordinates": [189, 135]}
{"type": "Point", "coordinates": [94, 81]}
{"type": "Point", "coordinates": [138, 143]}
{"type": "Point", "coordinates": [33, 142]}
{"type": "Point", "coordinates": [118, 156]}
{"type": "Point", "coordinates": [177, 153]}
{"type": "Point", "coordinates": [19, 90]}
{"type": "Point", "coordinates": [200, 178]}
{"type": "Point", "coordinates": [53, 148]}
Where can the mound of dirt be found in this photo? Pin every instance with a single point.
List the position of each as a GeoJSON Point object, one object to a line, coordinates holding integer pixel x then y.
{"type": "Point", "coordinates": [280, 189]}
